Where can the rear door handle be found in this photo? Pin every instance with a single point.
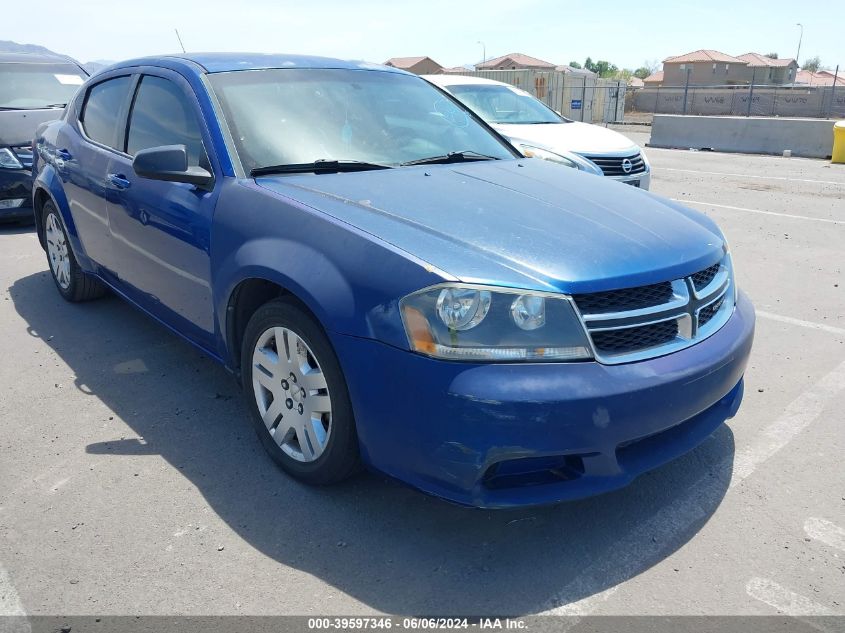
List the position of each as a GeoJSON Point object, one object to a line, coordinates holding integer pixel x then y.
{"type": "Point", "coordinates": [119, 181]}
{"type": "Point", "coordinates": [63, 154]}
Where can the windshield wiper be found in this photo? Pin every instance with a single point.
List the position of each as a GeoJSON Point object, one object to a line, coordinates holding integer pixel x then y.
{"type": "Point", "coordinates": [452, 157]}
{"type": "Point", "coordinates": [321, 166]}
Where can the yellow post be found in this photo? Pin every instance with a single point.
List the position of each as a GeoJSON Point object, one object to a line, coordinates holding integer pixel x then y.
{"type": "Point", "coordinates": [838, 154]}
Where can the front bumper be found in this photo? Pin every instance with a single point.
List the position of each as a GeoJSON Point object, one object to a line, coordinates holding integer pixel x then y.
{"type": "Point", "coordinates": [641, 180]}
{"type": "Point", "coordinates": [503, 435]}
{"type": "Point", "coordinates": [16, 184]}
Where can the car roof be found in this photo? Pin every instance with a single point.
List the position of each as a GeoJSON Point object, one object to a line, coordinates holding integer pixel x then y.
{"type": "Point", "coordinates": [462, 80]}
{"type": "Point", "coordinates": [224, 62]}
{"type": "Point", "coordinates": [36, 58]}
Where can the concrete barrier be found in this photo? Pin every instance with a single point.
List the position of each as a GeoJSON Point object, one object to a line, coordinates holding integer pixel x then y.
{"type": "Point", "coordinates": [753, 135]}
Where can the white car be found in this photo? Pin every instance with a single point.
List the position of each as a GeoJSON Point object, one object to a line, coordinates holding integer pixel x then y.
{"type": "Point", "coordinates": [538, 131]}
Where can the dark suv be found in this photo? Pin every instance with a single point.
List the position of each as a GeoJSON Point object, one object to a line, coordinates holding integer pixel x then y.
{"type": "Point", "coordinates": [33, 89]}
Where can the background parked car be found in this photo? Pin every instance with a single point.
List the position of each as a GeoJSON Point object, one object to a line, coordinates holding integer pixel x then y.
{"type": "Point", "coordinates": [541, 132]}
{"type": "Point", "coordinates": [33, 89]}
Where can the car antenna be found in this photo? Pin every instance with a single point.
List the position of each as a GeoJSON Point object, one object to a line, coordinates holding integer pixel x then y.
{"type": "Point", "coordinates": [180, 40]}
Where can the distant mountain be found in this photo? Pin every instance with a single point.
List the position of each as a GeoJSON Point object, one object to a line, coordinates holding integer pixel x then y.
{"type": "Point", "coordinates": [7, 46]}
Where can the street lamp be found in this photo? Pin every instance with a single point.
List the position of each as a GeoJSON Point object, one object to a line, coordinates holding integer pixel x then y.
{"type": "Point", "coordinates": [483, 51]}
{"type": "Point", "coordinates": [800, 37]}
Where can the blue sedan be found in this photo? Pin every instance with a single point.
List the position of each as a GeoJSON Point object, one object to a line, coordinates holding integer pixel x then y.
{"type": "Point", "coordinates": [393, 284]}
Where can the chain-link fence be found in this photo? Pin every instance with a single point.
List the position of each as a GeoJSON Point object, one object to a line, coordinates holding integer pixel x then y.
{"type": "Point", "coordinates": [578, 97]}
{"type": "Point", "coordinates": [780, 101]}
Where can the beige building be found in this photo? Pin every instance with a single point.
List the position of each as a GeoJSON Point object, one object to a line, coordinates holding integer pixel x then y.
{"type": "Point", "coordinates": [515, 61]}
{"type": "Point", "coordinates": [416, 65]}
{"type": "Point", "coordinates": [714, 68]}
{"type": "Point", "coordinates": [767, 71]}
{"type": "Point", "coordinates": [704, 68]}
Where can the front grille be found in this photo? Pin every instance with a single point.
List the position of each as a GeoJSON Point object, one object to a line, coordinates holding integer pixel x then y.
{"type": "Point", "coordinates": [631, 324]}
{"type": "Point", "coordinates": [24, 154]}
{"type": "Point", "coordinates": [615, 165]}
{"type": "Point", "coordinates": [625, 299]}
{"type": "Point", "coordinates": [635, 338]}
{"type": "Point", "coordinates": [707, 313]}
{"type": "Point", "coordinates": [703, 277]}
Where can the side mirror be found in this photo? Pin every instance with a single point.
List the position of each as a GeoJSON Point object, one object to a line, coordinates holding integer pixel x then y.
{"type": "Point", "coordinates": [170, 163]}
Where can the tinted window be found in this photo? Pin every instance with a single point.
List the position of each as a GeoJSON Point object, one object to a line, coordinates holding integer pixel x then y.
{"type": "Point", "coordinates": [102, 107]}
{"type": "Point", "coordinates": [162, 115]}
{"type": "Point", "coordinates": [28, 86]}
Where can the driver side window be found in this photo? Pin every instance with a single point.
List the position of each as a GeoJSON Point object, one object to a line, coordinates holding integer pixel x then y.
{"type": "Point", "coordinates": [161, 115]}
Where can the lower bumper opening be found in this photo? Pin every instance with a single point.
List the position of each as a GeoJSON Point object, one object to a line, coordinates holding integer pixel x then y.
{"type": "Point", "coordinates": [533, 471]}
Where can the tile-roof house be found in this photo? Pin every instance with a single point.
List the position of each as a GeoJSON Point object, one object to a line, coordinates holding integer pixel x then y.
{"type": "Point", "coordinates": [765, 70]}
{"type": "Point", "coordinates": [705, 68]}
{"type": "Point", "coordinates": [416, 65]}
{"type": "Point", "coordinates": [821, 78]}
{"type": "Point", "coordinates": [515, 61]}
{"type": "Point", "coordinates": [654, 79]}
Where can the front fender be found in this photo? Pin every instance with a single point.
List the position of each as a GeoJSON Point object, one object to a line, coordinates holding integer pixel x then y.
{"type": "Point", "coordinates": [350, 281]}
{"type": "Point", "coordinates": [296, 267]}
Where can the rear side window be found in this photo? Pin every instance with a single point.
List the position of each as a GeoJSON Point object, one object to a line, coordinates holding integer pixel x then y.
{"type": "Point", "coordinates": [162, 115]}
{"type": "Point", "coordinates": [102, 109]}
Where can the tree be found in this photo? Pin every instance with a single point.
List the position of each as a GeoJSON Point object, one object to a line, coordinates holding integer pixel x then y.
{"type": "Point", "coordinates": [575, 64]}
{"type": "Point", "coordinates": [604, 69]}
{"type": "Point", "coordinates": [589, 65]}
{"type": "Point", "coordinates": [813, 64]}
{"type": "Point", "coordinates": [642, 72]}
{"type": "Point", "coordinates": [771, 55]}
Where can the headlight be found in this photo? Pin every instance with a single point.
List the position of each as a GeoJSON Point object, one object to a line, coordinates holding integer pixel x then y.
{"type": "Point", "coordinates": [8, 160]}
{"type": "Point", "coordinates": [464, 322]}
{"type": "Point", "coordinates": [536, 152]}
{"type": "Point", "coordinates": [570, 159]}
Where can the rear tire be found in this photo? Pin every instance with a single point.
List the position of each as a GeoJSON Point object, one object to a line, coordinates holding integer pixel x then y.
{"type": "Point", "coordinates": [73, 284]}
{"type": "Point", "coordinates": [297, 395]}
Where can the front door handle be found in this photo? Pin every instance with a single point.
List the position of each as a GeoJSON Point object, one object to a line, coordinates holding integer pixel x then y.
{"type": "Point", "coordinates": [119, 181]}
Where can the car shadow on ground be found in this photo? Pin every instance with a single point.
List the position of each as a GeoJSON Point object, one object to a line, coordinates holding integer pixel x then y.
{"type": "Point", "coordinates": [16, 228]}
{"type": "Point", "coordinates": [392, 548]}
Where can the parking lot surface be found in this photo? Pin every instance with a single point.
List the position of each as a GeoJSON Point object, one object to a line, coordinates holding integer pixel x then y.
{"type": "Point", "coordinates": [132, 483]}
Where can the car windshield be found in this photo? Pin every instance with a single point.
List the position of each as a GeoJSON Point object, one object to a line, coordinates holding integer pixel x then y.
{"type": "Point", "coordinates": [301, 116]}
{"type": "Point", "coordinates": [30, 86]}
{"type": "Point", "coordinates": [504, 104]}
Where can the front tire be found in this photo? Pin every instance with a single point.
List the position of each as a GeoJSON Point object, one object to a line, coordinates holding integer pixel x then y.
{"type": "Point", "coordinates": [297, 394]}
{"type": "Point", "coordinates": [73, 284]}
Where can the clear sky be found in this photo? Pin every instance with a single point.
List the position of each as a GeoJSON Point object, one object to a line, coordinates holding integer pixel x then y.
{"type": "Point", "coordinates": [625, 33]}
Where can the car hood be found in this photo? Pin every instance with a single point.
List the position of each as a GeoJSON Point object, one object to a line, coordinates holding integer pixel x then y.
{"type": "Point", "coordinates": [17, 127]}
{"type": "Point", "coordinates": [523, 223]}
{"type": "Point", "coordinates": [581, 138]}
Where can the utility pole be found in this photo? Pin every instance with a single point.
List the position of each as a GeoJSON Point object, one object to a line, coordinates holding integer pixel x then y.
{"type": "Point", "coordinates": [686, 89]}
{"type": "Point", "coordinates": [483, 51]}
{"type": "Point", "coordinates": [800, 37]}
{"type": "Point", "coordinates": [751, 91]}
